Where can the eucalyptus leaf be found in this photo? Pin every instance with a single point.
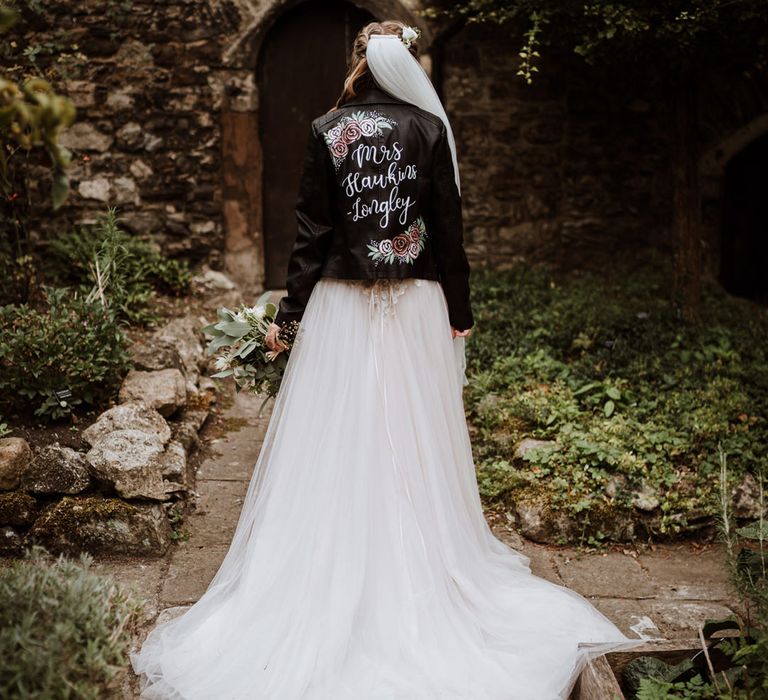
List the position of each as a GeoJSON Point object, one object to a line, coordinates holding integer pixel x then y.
{"type": "Point", "coordinates": [235, 329]}
{"type": "Point", "coordinates": [223, 373]}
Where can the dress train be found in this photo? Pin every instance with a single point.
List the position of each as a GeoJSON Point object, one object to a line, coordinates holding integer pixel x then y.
{"type": "Point", "coordinates": [362, 567]}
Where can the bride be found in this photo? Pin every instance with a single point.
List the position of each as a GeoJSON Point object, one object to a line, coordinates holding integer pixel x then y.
{"type": "Point", "coordinates": [362, 567]}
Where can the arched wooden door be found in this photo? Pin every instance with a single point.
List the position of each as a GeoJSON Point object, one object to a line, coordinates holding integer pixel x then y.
{"type": "Point", "coordinates": [300, 75]}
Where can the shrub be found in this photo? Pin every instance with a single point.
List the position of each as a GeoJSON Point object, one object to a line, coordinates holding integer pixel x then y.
{"type": "Point", "coordinates": [70, 344]}
{"type": "Point", "coordinates": [105, 260]}
{"type": "Point", "coordinates": [630, 396]}
{"type": "Point", "coordinates": [65, 630]}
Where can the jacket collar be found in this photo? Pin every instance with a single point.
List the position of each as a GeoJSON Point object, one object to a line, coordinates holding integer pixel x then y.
{"type": "Point", "coordinates": [372, 95]}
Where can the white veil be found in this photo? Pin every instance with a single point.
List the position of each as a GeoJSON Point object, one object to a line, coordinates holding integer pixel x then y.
{"type": "Point", "coordinates": [397, 71]}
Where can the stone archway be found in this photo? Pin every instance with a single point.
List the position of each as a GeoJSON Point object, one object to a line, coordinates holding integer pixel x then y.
{"type": "Point", "coordinates": [242, 103]}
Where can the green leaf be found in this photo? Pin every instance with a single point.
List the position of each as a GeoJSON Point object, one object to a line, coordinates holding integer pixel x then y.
{"type": "Point", "coordinates": [609, 408]}
{"type": "Point", "coordinates": [246, 349]}
{"type": "Point", "coordinates": [223, 373]}
{"type": "Point", "coordinates": [585, 388]}
{"type": "Point", "coordinates": [59, 189]}
{"type": "Point", "coordinates": [753, 532]}
{"type": "Point", "coordinates": [235, 329]}
{"type": "Point", "coordinates": [216, 343]}
{"type": "Point", "coordinates": [263, 299]}
{"type": "Point", "coordinates": [613, 393]}
{"type": "Point", "coordinates": [211, 329]}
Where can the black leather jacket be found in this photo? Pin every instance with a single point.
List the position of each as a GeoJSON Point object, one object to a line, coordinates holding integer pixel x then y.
{"type": "Point", "coordinates": [378, 199]}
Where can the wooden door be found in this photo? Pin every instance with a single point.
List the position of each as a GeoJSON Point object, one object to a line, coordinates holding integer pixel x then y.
{"type": "Point", "coordinates": [301, 72]}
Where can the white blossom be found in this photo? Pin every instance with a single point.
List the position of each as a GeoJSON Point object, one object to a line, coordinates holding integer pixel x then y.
{"type": "Point", "coordinates": [222, 362]}
{"type": "Point", "coordinates": [409, 34]}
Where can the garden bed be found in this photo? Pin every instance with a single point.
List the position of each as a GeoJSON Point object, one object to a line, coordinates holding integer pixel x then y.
{"type": "Point", "coordinates": [597, 414]}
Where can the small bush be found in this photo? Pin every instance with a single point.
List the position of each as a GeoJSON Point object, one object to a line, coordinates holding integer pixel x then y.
{"type": "Point", "coordinates": [127, 270]}
{"type": "Point", "coordinates": [65, 630]}
{"type": "Point", "coordinates": [71, 343]}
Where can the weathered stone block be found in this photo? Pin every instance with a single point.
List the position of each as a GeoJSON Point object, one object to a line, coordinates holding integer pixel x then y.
{"type": "Point", "coordinates": [98, 189]}
{"type": "Point", "coordinates": [15, 458]}
{"type": "Point", "coordinates": [174, 462]}
{"type": "Point", "coordinates": [175, 345]}
{"type": "Point", "coordinates": [17, 508]}
{"type": "Point", "coordinates": [164, 390]}
{"type": "Point", "coordinates": [130, 461]}
{"type": "Point", "coordinates": [103, 525]}
{"type": "Point", "coordinates": [129, 416]}
{"type": "Point", "coordinates": [57, 469]}
{"type": "Point", "coordinates": [82, 136]}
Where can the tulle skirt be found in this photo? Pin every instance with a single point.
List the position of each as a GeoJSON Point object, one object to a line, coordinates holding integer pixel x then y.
{"type": "Point", "coordinates": [362, 567]}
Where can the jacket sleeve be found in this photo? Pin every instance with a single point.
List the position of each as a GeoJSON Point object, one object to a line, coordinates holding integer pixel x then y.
{"type": "Point", "coordinates": [448, 237]}
{"type": "Point", "coordinates": [314, 230]}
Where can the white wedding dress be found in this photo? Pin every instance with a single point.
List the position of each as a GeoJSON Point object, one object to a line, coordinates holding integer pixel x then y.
{"type": "Point", "coordinates": [362, 567]}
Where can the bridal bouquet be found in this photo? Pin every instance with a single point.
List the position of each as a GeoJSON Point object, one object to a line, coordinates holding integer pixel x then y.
{"type": "Point", "coordinates": [238, 339]}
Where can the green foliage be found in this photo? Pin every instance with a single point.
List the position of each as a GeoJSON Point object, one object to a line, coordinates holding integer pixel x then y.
{"type": "Point", "coordinates": [65, 630]}
{"type": "Point", "coordinates": [176, 518]}
{"type": "Point", "coordinates": [32, 116]}
{"type": "Point", "coordinates": [239, 339]}
{"type": "Point", "coordinates": [69, 344]}
{"type": "Point", "coordinates": [665, 33]}
{"type": "Point", "coordinates": [628, 394]}
{"type": "Point", "coordinates": [121, 270]}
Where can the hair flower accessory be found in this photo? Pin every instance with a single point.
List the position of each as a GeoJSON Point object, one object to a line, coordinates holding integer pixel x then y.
{"type": "Point", "coordinates": [409, 35]}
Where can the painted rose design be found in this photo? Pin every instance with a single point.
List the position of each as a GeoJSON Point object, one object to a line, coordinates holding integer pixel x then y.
{"type": "Point", "coordinates": [402, 248]}
{"type": "Point", "coordinates": [339, 149]}
{"type": "Point", "coordinates": [368, 126]}
{"type": "Point", "coordinates": [352, 132]}
{"type": "Point", "coordinates": [352, 128]}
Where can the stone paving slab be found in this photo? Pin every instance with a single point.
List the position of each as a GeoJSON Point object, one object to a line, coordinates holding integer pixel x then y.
{"type": "Point", "coordinates": [217, 511]}
{"type": "Point", "coordinates": [191, 569]}
{"type": "Point", "coordinates": [681, 572]}
{"type": "Point", "coordinates": [143, 577]}
{"type": "Point", "coordinates": [229, 467]}
{"type": "Point", "coordinates": [660, 617]}
{"type": "Point", "coordinates": [608, 574]}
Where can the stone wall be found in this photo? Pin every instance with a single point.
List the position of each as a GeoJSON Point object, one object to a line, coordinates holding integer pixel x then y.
{"type": "Point", "coordinates": [148, 135]}
{"type": "Point", "coordinates": [569, 169]}
{"type": "Point", "coordinates": [564, 170]}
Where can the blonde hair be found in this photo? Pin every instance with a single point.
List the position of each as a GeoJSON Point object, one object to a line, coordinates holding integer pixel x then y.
{"type": "Point", "coordinates": [358, 76]}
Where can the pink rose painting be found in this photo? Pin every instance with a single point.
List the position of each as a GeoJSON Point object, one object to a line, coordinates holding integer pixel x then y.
{"type": "Point", "coordinates": [339, 149]}
{"type": "Point", "coordinates": [352, 132]}
{"type": "Point", "coordinates": [350, 129]}
{"type": "Point", "coordinates": [402, 248]}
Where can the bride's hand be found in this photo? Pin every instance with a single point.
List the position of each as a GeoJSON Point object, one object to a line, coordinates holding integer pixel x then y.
{"type": "Point", "coordinates": [271, 339]}
{"type": "Point", "coordinates": [462, 334]}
